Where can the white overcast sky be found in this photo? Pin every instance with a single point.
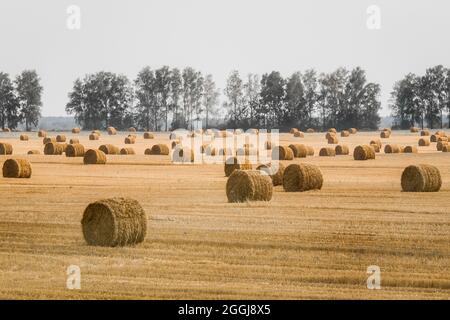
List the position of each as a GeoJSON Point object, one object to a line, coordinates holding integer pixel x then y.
{"type": "Point", "coordinates": [217, 36]}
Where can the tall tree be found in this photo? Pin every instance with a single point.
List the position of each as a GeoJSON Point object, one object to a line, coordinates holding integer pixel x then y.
{"type": "Point", "coordinates": [146, 94]}
{"type": "Point", "coordinates": [176, 84]}
{"type": "Point", "coordinates": [273, 93]}
{"type": "Point", "coordinates": [29, 91]}
{"type": "Point", "coordinates": [9, 104]}
{"type": "Point", "coordinates": [252, 91]}
{"type": "Point", "coordinates": [234, 98]}
{"type": "Point", "coordinates": [192, 94]}
{"type": "Point", "coordinates": [403, 101]}
{"type": "Point", "coordinates": [163, 85]}
{"type": "Point", "coordinates": [210, 98]}
{"type": "Point", "coordinates": [332, 97]}
{"type": "Point", "coordinates": [311, 94]}
{"type": "Point", "coordinates": [295, 101]}
{"type": "Point", "coordinates": [434, 94]}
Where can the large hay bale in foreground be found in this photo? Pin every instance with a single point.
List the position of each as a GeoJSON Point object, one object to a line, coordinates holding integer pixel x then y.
{"type": "Point", "coordinates": [282, 153]}
{"type": "Point", "coordinates": [391, 148]}
{"type": "Point", "coordinates": [114, 222]}
{"type": "Point", "coordinates": [74, 141]}
{"type": "Point", "coordinates": [424, 133]}
{"type": "Point", "coordinates": [299, 150]}
{"type": "Point", "coordinates": [94, 136]}
{"type": "Point", "coordinates": [60, 138]}
{"type": "Point", "coordinates": [385, 134]}
{"type": "Point", "coordinates": [233, 163]}
{"type": "Point", "coordinates": [341, 150]}
{"type": "Point", "coordinates": [75, 131]}
{"type": "Point", "coordinates": [410, 149]}
{"type": "Point", "coordinates": [424, 142]}
{"type": "Point", "coordinates": [5, 148]}
{"type": "Point", "coordinates": [42, 134]}
{"type": "Point", "coordinates": [16, 168]}
{"type": "Point", "coordinates": [127, 151]}
{"type": "Point", "coordinates": [363, 152]}
{"type": "Point", "coordinates": [421, 178]}
{"type": "Point", "coordinates": [31, 152]}
{"type": "Point", "coordinates": [440, 145]}
{"type": "Point", "coordinates": [54, 149]}
{"type": "Point", "coordinates": [23, 137]}
{"type": "Point", "coordinates": [93, 156]}
{"type": "Point", "coordinates": [327, 152]}
{"type": "Point", "coordinates": [111, 131]}
{"type": "Point", "coordinates": [109, 149]}
{"type": "Point", "coordinates": [158, 149]}
{"type": "Point", "coordinates": [148, 135]}
{"type": "Point", "coordinates": [75, 150]}
{"type": "Point", "coordinates": [245, 185]}
{"type": "Point", "coordinates": [345, 133]}
{"type": "Point", "coordinates": [274, 171]}
{"type": "Point", "coordinates": [302, 177]}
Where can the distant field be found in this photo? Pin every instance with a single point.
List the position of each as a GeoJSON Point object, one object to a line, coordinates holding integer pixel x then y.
{"type": "Point", "coordinates": [311, 245]}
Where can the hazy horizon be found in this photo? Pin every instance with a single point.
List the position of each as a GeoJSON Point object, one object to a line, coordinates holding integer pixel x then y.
{"type": "Point", "coordinates": [219, 36]}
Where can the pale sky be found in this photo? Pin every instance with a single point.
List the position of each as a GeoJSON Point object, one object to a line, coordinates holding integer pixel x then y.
{"type": "Point", "coordinates": [217, 36]}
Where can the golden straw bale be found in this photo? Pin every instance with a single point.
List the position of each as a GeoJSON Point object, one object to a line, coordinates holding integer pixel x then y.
{"type": "Point", "coordinates": [327, 152]}
{"type": "Point", "coordinates": [233, 163]}
{"type": "Point", "coordinates": [74, 130]}
{"type": "Point", "coordinates": [42, 134]}
{"type": "Point", "coordinates": [111, 131]}
{"type": "Point", "coordinates": [97, 132]}
{"type": "Point", "coordinates": [148, 135]}
{"type": "Point", "coordinates": [299, 150]}
{"type": "Point", "coordinates": [48, 140]}
{"type": "Point", "coordinates": [442, 138]}
{"type": "Point", "coordinates": [94, 136]}
{"type": "Point", "coordinates": [310, 150]}
{"type": "Point", "coordinates": [33, 152]}
{"type": "Point", "coordinates": [75, 150]}
{"type": "Point", "coordinates": [391, 148]}
{"type": "Point", "coordinates": [332, 130]}
{"type": "Point", "coordinates": [424, 133]}
{"type": "Point", "coordinates": [421, 178]}
{"type": "Point", "coordinates": [114, 222]}
{"type": "Point", "coordinates": [414, 129]}
{"type": "Point", "coordinates": [130, 139]}
{"type": "Point", "coordinates": [245, 185]}
{"type": "Point", "coordinates": [93, 156]}
{"type": "Point", "coordinates": [53, 148]}
{"type": "Point", "coordinates": [329, 135]}
{"type": "Point", "coordinates": [182, 155]}
{"type": "Point", "coordinates": [333, 140]}
{"type": "Point", "coordinates": [23, 137]}
{"type": "Point", "coordinates": [302, 177]}
{"type": "Point", "coordinates": [446, 148]}
{"type": "Point", "coordinates": [440, 133]}
{"type": "Point", "coordinates": [299, 134]}
{"type": "Point", "coordinates": [127, 151]}
{"type": "Point", "coordinates": [345, 133]}
{"type": "Point", "coordinates": [109, 149]}
{"type": "Point", "coordinates": [341, 150]}
{"type": "Point", "coordinates": [353, 130]}
{"type": "Point", "coordinates": [282, 153]}
{"type": "Point", "coordinates": [293, 130]}
{"type": "Point", "coordinates": [6, 148]}
{"type": "Point", "coordinates": [158, 149]}
{"type": "Point", "coordinates": [16, 168]}
{"type": "Point", "coordinates": [387, 129]}
{"type": "Point", "coordinates": [74, 141]}
{"type": "Point", "coordinates": [376, 141]}
{"type": "Point", "coordinates": [131, 129]}
{"type": "Point", "coordinates": [440, 145]}
{"type": "Point", "coordinates": [385, 134]}
{"type": "Point", "coordinates": [363, 152]}
{"type": "Point", "coordinates": [60, 138]}
{"type": "Point", "coordinates": [375, 147]}
{"type": "Point", "coordinates": [310, 130]}
{"type": "Point", "coordinates": [274, 170]}
{"type": "Point", "coordinates": [424, 142]}
{"type": "Point", "coordinates": [410, 149]}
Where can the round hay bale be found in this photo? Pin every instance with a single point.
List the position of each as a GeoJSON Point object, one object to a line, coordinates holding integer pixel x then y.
{"type": "Point", "coordinates": [391, 148]}
{"type": "Point", "coordinates": [225, 152]}
{"type": "Point", "coordinates": [302, 177]}
{"type": "Point", "coordinates": [274, 171]}
{"type": "Point", "coordinates": [440, 145]}
{"type": "Point", "coordinates": [148, 135]}
{"type": "Point", "coordinates": [75, 150]}
{"type": "Point", "coordinates": [310, 150]}
{"type": "Point", "coordinates": [33, 152]}
{"type": "Point", "coordinates": [410, 149]}
{"type": "Point", "coordinates": [385, 134]}
{"type": "Point", "coordinates": [16, 168]}
{"type": "Point", "coordinates": [233, 163]}
{"type": "Point", "coordinates": [23, 137]}
{"type": "Point", "coordinates": [127, 151]}
{"type": "Point", "coordinates": [282, 153]}
{"type": "Point", "coordinates": [341, 150]}
{"type": "Point", "coordinates": [327, 152]}
{"type": "Point", "coordinates": [375, 147]}
{"type": "Point", "coordinates": [74, 141]}
{"type": "Point", "coordinates": [130, 140]}
{"type": "Point", "coordinates": [446, 148]}
{"type": "Point", "coordinates": [42, 134]}
{"type": "Point", "coordinates": [442, 138]}
{"type": "Point", "coordinates": [310, 130]}
{"type": "Point", "coordinates": [414, 129]}
{"type": "Point", "coordinates": [75, 131]}
{"type": "Point", "coordinates": [440, 133]}
{"type": "Point", "coordinates": [424, 142]}
{"type": "Point", "coordinates": [94, 136]}
{"type": "Point", "coordinates": [111, 131]}
{"type": "Point", "coordinates": [424, 133]}
{"type": "Point", "coordinates": [332, 130]}
{"type": "Point", "coordinates": [333, 140]}
{"type": "Point", "coordinates": [434, 138]}
{"type": "Point", "coordinates": [245, 185]}
{"type": "Point", "coordinates": [387, 130]}
{"type": "Point", "coordinates": [132, 129]}
{"type": "Point", "coordinates": [421, 178]}
{"type": "Point", "coordinates": [268, 145]}
{"type": "Point", "coordinates": [48, 140]}
{"type": "Point", "coordinates": [363, 152]}
{"type": "Point", "coordinates": [182, 155]}
{"type": "Point", "coordinates": [158, 149]}
{"type": "Point", "coordinates": [329, 135]}
{"type": "Point", "coordinates": [109, 149]}
{"type": "Point", "coordinates": [299, 134]}
{"type": "Point", "coordinates": [299, 150]}
{"type": "Point", "coordinates": [54, 149]}
{"type": "Point", "coordinates": [5, 148]}
{"type": "Point", "coordinates": [114, 222]}
{"type": "Point", "coordinates": [293, 130]}
{"type": "Point", "coordinates": [376, 141]}
{"type": "Point", "coordinates": [60, 138]}
{"type": "Point", "coordinates": [6, 130]}
{"type": "Point", "coordinates": [345, 133]}
{"type": "Point", "coordinates": [353, 130]}
{"type": "Point", "coordinates": [93, 156]}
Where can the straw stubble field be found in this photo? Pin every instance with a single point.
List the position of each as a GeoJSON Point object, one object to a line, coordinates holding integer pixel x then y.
{"type": "Point", "coordinates": [315, 244]}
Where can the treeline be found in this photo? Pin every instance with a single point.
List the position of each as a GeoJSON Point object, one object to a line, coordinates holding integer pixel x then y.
{"type": "Point", "coordinates": [169, 98]}
{"type": "Point", "coordinates": [20, 100]}
{"type": "Point", "coordinates": [422, 100]}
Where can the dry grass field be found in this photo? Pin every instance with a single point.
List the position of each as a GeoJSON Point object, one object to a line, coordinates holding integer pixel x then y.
{"type": "Point", "coordinates": [310, 245]}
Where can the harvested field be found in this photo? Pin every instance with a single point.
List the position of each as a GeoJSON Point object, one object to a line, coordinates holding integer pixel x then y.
{"type": "Point", "coordinates": [312, 245]}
